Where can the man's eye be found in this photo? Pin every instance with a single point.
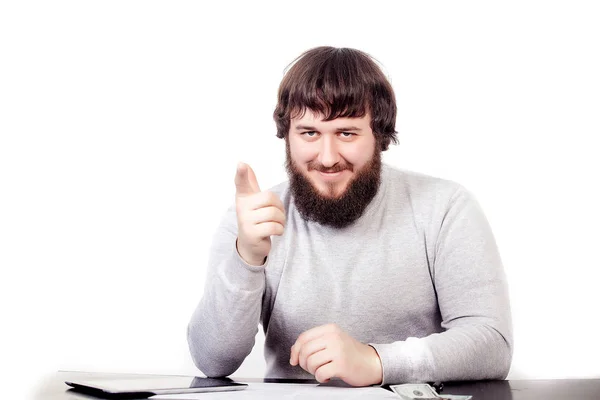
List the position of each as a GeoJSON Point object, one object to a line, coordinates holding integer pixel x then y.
{"type": "Point", "coordinates": [311, 133]}
{"type": "Point", "coordinates": [347, 134]}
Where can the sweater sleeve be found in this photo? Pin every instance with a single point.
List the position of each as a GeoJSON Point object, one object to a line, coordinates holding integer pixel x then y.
{"type": "Point", "coordinates": [472, 292]}
{"type": "Point", "coordinates": [224, 324]}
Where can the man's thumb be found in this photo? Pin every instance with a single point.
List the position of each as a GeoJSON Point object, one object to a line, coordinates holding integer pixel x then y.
{"type": "Point", "coordinates": [245, 180]}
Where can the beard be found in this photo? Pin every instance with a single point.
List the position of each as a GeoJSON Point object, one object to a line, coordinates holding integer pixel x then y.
{"type": "Point", "coordinates": [335, 211]}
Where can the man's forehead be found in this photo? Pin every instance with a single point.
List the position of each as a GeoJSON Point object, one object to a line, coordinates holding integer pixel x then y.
{"type": "Point", "coordinates": [311, 118]}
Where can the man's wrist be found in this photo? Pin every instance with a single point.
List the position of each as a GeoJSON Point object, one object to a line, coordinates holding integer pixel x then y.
{"type": "Point", "coordinates": [254, 262]}
{"type": "Point", "coordinates": [377, 367]}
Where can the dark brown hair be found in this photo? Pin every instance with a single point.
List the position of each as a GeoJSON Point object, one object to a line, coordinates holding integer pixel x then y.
{"type": "Point", "coordinates": [337, 82]}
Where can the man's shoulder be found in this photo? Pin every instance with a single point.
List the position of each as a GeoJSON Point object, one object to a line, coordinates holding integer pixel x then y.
{"type": "Point", "coordinates": [418, 182]}
{"type": "Point", "coordinates": [427, 194]}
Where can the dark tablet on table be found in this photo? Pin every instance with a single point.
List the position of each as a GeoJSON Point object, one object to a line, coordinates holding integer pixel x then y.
{"type": "Point", "coordinates": [147, 386]}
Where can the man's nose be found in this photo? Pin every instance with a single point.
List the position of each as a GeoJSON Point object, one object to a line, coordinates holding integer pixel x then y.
{"type": "Point", "coordinates": [328, 155]}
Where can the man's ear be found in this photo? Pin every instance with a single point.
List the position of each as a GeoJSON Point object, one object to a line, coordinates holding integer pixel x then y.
{"type": "Point", "coordinates": [383, 143]}
{"type": "Point", "coordinates": [379, 142]}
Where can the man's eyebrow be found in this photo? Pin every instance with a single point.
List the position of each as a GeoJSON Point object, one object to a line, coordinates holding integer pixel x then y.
{"type": "Point", "coordinates": [312, 128]}
{"type": "Point", "coordinates": [349, 128]}
{"type": "Point", "coordinates": [306, 128]}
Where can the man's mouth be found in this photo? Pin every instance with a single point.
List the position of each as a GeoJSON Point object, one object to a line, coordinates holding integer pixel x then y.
{"type": "Point", "coordinates": [330, 175]}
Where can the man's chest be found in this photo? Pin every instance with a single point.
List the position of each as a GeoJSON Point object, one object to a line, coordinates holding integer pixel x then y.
{"type": "Point", "coordinates": [364, 283]}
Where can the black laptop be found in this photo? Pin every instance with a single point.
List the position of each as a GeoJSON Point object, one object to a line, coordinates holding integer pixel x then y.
{"type": "Point", "coordinates": [150, 385]}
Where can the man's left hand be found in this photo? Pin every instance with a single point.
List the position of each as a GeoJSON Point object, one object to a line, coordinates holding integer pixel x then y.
{"type": "Point", "coordinates": [327, 351]}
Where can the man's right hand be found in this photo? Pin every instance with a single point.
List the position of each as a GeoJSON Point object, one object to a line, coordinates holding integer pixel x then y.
{"type": "Point", "coordinates": [259, 215]}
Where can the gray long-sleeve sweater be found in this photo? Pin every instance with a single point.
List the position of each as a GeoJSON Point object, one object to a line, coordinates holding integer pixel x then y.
{"type": "Point", "coordinates": [418, 276]}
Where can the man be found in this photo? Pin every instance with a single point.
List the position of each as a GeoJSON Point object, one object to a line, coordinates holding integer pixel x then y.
{"type": "Point", "coordinates": [355, 270]}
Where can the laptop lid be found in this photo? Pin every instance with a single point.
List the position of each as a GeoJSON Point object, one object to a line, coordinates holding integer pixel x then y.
{"type": "Point", "coordinates": [147, 386]}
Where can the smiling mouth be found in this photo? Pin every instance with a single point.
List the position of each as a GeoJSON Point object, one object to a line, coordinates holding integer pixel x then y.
{"type": "Point", "coordinates": [330, 175]}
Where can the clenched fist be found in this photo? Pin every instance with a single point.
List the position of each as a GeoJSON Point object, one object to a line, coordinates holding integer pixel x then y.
{"type": "Point", "coordinates": [327, 351]}
{"type": "Point", "coordinates": [259, 215]}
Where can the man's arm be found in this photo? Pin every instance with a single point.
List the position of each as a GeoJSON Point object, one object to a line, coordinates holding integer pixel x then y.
{"type": "Point", "coordinates": [473, 299]}
{"type": "Point", "coordinates": [223, 327]}
{"type": "Point", "coordinates": [222, 330]}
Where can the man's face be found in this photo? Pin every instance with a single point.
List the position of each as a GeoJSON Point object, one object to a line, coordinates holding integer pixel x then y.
{"type": "Point", "coordinates": [330, 154]}
{"type": "Point", "coordinates": [334, 168]}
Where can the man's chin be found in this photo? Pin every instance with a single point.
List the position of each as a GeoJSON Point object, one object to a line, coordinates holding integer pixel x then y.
{"type": "Point", "coordinates": [331, 191]}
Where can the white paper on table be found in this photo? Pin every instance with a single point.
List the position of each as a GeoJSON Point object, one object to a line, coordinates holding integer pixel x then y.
{"type": "Point", "coordinates": [290, 391]}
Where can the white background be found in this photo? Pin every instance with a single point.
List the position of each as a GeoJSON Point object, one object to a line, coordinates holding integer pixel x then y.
{"type": "Point", "coordinates": [122, 122]}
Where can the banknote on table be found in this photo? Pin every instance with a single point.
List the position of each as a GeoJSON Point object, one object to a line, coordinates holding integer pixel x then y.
{"type": "Point", "coordinates": [422, 391]}
{"type": "Point", "coordinates": [409, 391]}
